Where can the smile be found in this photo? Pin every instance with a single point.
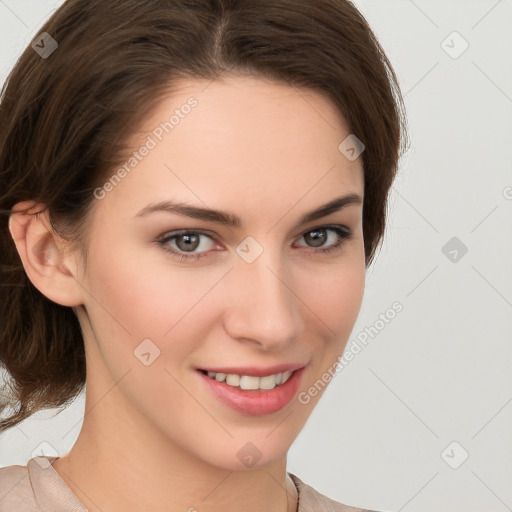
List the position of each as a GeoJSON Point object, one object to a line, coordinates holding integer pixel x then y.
{"type": "Point", "coordinates": [250, 394]}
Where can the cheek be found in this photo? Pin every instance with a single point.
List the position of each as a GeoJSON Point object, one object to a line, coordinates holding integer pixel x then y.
{"type": "Point", "coordinates": [343, 296]}
{"type": "Point", "coordinates": [335, 301]}
{"type": "Point", "coordinates": [335, 295]}
{"type": "Point", "coordinates": [138, 298]}
{"type": "Point", "coordinates": [145, 323]}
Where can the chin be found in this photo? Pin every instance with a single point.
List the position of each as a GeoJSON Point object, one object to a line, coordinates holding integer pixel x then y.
{"type": "Point", "coordinates": [247, 453]}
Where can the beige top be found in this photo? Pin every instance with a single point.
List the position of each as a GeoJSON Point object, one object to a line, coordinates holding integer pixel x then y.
{"type": "Point", "coordinates": [37, 487]}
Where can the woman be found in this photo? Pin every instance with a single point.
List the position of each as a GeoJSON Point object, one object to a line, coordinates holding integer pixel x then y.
{"type": "Point", "coordinates": [209, 179]}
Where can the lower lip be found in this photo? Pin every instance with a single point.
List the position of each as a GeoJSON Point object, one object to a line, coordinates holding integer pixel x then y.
{"type": "Point", "coordinates": [255, 402]}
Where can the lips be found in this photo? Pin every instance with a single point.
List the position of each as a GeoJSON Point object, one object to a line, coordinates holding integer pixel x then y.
{"type": "Point", "coordinates": [254, 402]}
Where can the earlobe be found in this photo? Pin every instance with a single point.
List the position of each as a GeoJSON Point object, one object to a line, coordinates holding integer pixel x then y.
{"type": "Point", "coordinates": [41, 252]}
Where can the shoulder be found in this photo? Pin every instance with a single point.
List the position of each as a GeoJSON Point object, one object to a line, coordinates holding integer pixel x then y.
{"type": "Point", "coordinates": [310, 500]}
{"type": "Point", "coordinates": [15, 490]}
{"type": "Point", "coordinates": [36, 487]}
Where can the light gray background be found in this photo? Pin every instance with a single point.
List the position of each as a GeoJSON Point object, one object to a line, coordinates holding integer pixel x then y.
{"type": "Point", "coordinates": [441, 370]}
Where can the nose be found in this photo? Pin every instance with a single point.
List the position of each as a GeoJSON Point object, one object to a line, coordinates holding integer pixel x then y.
{"type": "Point", "coordinates": [262, 308]}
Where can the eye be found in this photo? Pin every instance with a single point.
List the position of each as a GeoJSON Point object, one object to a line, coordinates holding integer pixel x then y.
{"type": "Point", "coordinates": [318, 237]}
{"type": "Point", "coordinates": [187, 241]}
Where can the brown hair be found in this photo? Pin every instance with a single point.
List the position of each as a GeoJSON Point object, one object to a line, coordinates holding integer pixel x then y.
{"type": "Point", "coordinates": [64, 118]}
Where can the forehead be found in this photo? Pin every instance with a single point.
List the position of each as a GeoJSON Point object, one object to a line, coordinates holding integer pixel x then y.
{"type": "Point", "coordinates": [239, 138]}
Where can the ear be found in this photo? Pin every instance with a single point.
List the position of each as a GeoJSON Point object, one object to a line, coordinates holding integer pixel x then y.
{"type": "Point", "coordinates": [42, 253]}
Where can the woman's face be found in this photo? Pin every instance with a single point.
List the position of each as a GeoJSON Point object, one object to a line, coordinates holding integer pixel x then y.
{"type": "Point", "coordinates": [253, 298]}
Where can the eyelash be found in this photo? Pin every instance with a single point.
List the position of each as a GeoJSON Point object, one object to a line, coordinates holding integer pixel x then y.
{"type": "Point", "coordinates": [343, 233]}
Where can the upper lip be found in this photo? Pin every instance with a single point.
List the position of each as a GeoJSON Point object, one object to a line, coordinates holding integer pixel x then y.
{"type": "Point", "coordinates": [255, 371]}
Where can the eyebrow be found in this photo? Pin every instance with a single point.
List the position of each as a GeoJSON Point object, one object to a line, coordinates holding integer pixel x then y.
{"type": "Point", "coordinates": [229, 219]}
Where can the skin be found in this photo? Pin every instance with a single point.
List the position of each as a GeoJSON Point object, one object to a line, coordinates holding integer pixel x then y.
{"type": "Point", "coordinates": [153, 435]}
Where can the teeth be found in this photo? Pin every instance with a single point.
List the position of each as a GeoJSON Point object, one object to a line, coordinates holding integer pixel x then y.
{"type": "Point", "coordinates": [233, 380]}
{"type": "Point", "coordinates": [269, 382]}
{"type": "Point", "coordinates": [249, 382]}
